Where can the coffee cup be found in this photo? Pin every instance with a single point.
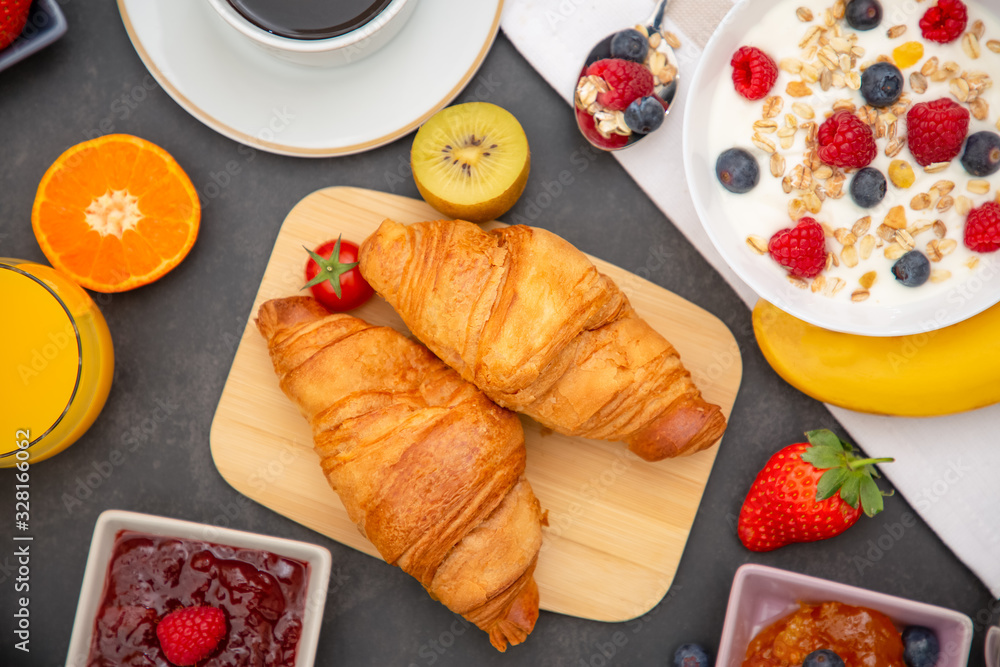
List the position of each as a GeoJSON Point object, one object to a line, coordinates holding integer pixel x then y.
{"type": "Point", "coordinates": [319, 33]}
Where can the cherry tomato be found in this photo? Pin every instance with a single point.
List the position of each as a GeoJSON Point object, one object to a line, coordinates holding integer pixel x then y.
{"type": "Point", "coordinates": [326, 277]}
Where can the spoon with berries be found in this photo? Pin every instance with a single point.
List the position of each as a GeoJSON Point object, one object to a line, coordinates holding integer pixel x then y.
{"type": "Point", "coordinates": [627, 84]}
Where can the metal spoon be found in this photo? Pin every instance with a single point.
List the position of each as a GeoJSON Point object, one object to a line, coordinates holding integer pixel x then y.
{"type": "Point", "coordinates": [598, 128]}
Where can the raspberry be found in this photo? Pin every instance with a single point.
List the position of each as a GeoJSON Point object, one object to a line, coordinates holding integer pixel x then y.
{"type": "Point", "coordinates": [982, 228]}
{"type": "Point", "coordinates": [627, 80]}
{"type": "Point", "coordinates": [846, 141]}
{"type": "Point", "coordinates": [936, 130]}
{"type": "Point", "coordinates": [945, 22]}
{"type": "Point", "coordinates": [190, 634]}
{"type": "Point", "coordinates": [801, 250]}
{"type": "Point", "coordinates": [754, 73]}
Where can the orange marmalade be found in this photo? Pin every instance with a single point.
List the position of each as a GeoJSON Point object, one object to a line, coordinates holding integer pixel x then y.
{"type": "Point", "coordinates": [862, 637]}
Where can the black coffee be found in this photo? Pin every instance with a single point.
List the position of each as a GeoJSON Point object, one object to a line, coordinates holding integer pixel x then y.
{"type": "Point", "coordinates": [309, 19]}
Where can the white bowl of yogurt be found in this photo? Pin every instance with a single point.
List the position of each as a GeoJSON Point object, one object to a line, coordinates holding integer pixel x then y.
{"type": "Point", "coordinates": [963, 282]}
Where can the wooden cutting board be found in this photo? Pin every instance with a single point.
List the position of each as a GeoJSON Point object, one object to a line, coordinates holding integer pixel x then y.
{"type": "Point", "coordinates": [617, 524]}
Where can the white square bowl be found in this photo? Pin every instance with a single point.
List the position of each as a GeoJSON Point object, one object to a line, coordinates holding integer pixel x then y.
{"type": "Point", "coordinates": [111, 522]}
{"type": "Point", "coordinates": [761, 595]}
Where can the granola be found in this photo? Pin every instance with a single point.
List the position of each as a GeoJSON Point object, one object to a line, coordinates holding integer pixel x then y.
{"type": "Point", "coordinates": [821, 73]}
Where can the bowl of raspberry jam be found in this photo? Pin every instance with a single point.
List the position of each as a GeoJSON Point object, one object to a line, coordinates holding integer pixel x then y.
{"type": "Point", "coordinates": [142, 569]}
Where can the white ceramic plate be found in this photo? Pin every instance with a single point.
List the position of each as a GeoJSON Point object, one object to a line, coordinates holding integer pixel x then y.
{"type": "Point", "coordinates": [248, 95]}
{"type": "Point", "coordinates": [950, 302]}
{"type": "Point", "coordinates": [111, 522]}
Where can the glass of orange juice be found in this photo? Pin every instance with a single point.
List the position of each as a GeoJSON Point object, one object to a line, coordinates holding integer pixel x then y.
{"type": "Point", "coordinates": [56, 362]}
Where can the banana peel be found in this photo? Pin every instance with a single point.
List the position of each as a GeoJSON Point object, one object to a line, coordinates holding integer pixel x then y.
{"type": "Point", "coordinates": [940, 372]}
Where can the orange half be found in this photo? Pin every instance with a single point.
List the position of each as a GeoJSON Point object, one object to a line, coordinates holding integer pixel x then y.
{"type": "Point", "coordinates": [115, 213]}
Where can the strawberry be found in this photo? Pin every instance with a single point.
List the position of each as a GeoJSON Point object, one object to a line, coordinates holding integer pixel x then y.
{"type": "Point", "coordinates": [795, 497]}
{"type": "Point", "coordinates": [13, 16]}
{"type": "Point", "coordinates": [190, 634]}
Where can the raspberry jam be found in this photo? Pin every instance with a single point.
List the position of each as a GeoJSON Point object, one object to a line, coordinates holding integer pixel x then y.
{"type": "Point", "coordinates": [262, 594]}
{"type": "Point", "coordinates": [862, 637]}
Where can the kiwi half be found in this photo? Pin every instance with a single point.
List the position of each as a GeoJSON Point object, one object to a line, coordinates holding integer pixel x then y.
{"type": "Point", "coordinates": [471, 161]}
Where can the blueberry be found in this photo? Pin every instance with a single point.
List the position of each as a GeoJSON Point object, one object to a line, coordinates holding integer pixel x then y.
{"type": "Point", "coordinates": [868, 187]}
{"type": "Point", "coordinates": [737, 170]}
{"type": "Point", "coordinates": [863, 14]}
{"type": "Point", "coordinates": [824, 657]}
{"type": "Point", "coordinates": [691, 655]}
{"type": "Point", "coordinates": [629, 44]}
{"type": "Point", "coordinates": [882, 84]}
{"type": "Point", "coordinates": [644, 115]}
{"type": "Point", "coordinates": [982, 154]}
{"type": "Point", "coordinates": [920, 644]}
{"type": "Point", "coordinates": [913, 270]}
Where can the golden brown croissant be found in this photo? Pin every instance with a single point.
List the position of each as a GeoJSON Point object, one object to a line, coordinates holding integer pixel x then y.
{"type": "Point", "coordinates": [427, 467]}
{"type": "Point", "coordinates": [527, 318]}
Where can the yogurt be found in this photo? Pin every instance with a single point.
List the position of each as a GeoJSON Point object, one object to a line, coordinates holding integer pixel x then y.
{"type": "Point", "coordinates": [859, 268]}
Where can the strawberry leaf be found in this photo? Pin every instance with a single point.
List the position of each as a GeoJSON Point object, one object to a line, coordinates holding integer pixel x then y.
{"type": "Point", "coordinates": [826, 438]}
{"type": "Point", "coordinates": [871, 496]}
{"type": "Point", "coordinates": [830, 483]}
{"type": "Point", "coordinates": [850, 491]}
{"type": "Point", "coordinates": [825, 450]}
{"type": "Point", "coordinates": [822, 457]}
{"type": "Point", "coordinates": [845, 472]}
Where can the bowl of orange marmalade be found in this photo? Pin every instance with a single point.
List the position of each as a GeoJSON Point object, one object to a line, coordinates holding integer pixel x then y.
{"type": "Point", "coordinates": [776, 617]}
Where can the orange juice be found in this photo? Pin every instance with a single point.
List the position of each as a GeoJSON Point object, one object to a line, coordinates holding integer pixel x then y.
{"type": "Point", "coordinates": [56, 362]}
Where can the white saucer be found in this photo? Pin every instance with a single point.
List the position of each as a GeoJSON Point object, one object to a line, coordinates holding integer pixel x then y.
{"type": "Point", "coordinates": [251, 97]}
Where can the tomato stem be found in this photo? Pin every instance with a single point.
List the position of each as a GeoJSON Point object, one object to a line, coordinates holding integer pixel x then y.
{"type": "Point", "coordinates": [329, 269]}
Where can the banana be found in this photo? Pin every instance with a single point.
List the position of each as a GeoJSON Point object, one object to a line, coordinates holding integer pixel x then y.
{"type": "Point", "coordinates": [940, 372]}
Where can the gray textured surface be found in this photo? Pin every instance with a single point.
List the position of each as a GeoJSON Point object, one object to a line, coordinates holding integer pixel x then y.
{"type": "Point", "coordinates": [175, 340]}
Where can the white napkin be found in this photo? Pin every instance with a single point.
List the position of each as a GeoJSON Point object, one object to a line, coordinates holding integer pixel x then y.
{"type": "Point", "coordinates": [946, 467]}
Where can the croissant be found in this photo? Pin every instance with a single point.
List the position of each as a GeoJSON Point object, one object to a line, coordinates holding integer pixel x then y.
{"type": "Point", "coordinates": [527, 318]}
{"type": "Point", "coordinates": [429, 469]}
